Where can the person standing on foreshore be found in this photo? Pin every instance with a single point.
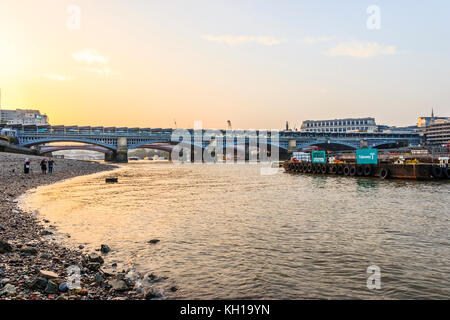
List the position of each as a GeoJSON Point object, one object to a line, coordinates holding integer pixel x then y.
{"type": "Point", "coordinates": [26, 166]}
{"type": "Point", "coordinates": [51, 163]}
{"type": "Point", "coordinates": [44, 166]}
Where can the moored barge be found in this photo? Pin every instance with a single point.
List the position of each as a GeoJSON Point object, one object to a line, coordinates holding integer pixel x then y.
{"type": "Point", "coordinates": [417, 171]}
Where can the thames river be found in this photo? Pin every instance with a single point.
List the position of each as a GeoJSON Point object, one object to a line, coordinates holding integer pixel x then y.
{"type": "Point", "coordinates": [230, 232]}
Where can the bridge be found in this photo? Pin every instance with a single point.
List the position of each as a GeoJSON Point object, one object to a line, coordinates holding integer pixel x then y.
{"type": "Point", "coordinates": [115, 142]}
{"type": "Point", "coordinates": [87, 147]}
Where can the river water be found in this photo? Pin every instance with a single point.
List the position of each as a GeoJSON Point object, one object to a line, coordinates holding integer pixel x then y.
{"type": "Point", "coordinates": [229, 232]}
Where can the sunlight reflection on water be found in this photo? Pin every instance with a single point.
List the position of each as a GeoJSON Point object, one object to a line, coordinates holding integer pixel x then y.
{"type": "Point", "coordinates": [228, 232]}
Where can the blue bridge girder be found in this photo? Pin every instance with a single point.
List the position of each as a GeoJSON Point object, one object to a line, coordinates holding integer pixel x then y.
{"type": "Point", "coordinates": [136, 137]}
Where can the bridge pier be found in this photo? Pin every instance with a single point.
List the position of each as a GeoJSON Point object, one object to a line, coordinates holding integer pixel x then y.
{"type": "Point", "coordinates": [117, 156]}
{"type": "Point", "coordinates": [284, 155]}
{"type": "Point", "coordinates": [121, 154]}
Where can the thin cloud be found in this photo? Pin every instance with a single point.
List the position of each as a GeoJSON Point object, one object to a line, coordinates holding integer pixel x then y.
{"type": "Point", "coordinates": [233, 40]}
{"type": "Point", "coordinates": [56, 77]}
{"type": "Point", "coordinates": [90, 56]}
{"type": "Point", "coordinates": [98, 64]}
{"type": "Point", "coordinates": [362, 50]}
{"type": "Point", "coordinates": [102, 71]}
{"type": "Point", "coordinates": [313, 40]}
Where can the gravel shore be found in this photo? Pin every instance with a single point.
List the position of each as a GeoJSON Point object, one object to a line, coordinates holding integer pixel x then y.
{"type": "Point", "coordinates": [34, 266]}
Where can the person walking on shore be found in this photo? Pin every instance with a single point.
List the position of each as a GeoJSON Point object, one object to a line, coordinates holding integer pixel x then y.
{"type": "Point", "coordinates": [51, 163]}
{"type": "Point", "coordinates": [44, 166]}
{"type": "Point", "coordinates": [26, 166]}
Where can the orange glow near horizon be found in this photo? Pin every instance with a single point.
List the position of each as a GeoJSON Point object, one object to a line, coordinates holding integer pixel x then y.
{"type": "Point", "coordinates": [149, 64]}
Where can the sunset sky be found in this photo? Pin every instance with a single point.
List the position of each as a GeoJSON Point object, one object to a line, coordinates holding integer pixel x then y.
{"type": "Point", "coordinates": [257, 63]}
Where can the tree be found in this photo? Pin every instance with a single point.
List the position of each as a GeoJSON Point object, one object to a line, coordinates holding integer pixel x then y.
{"type": "Point", "coordinates": [13, 140]}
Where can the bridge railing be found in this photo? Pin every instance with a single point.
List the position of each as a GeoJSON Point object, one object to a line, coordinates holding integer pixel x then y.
{"type": "Point", "coordinates": [286, 135]}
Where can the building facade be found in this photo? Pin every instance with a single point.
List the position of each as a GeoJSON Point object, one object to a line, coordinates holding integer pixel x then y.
{"type": "Point", "coordinates": [423, 122]}
{"type": "Point", "coordinates": [340, 125]}
{"type": "Point", "coordinates": [437, 133]}
{"type": "Point", "coordinates": [393, 129]}
{"type": "Point", "coordinates": [24, 117]}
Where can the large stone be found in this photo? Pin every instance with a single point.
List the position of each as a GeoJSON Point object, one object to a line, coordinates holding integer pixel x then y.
{"type": "Point", "coordinates": [104, 248]}
{"type": "Point", "coordinates": [152, 294]}
{"type": "Point", "coordinates": [151, 278]}
{"type": "Point", "coordinates": [46, 256]}
{"type": "Point", "coordinates": [28, 250]}
{"type": "Point", "coordinates": [38, 284]}
{"type": "Point", "coordinates": [93, 257]}
{"type": "Point", "coordinates": [5, 247]}
{"type": "Point", "coordinates": [98, 278]}
{"type": "Point", "coordinates": [51, 288]}
{"type": "Point", "coordinates": [63, 287]}
{"type": "Point", "coordinates": [48, 274]}
{"type": "Point", "coordinates": [118, 285]}
{"type": "Point", "coordinates": [93, 266]}
{"type": "Point", "coordinates": [33, 243]}
{"type": "Point", "coordinates": [8, 290]}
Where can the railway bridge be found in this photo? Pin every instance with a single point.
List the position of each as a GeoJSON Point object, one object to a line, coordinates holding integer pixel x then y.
{"type": "Point", "coordinates": [115, 142]}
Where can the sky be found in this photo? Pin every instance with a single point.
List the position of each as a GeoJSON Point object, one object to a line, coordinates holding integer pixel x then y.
{"type": "Point", "coordinates": [154, 63]}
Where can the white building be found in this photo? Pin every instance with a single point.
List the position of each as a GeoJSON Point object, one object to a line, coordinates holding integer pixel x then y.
{"type": "Point", "coordinates": [340, 125]}
{"type": "Point", "coordinates": [24, 117]}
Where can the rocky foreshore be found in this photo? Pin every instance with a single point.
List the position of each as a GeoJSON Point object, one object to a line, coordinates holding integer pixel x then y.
{"type": "Point", "coordinates": [33, 266]}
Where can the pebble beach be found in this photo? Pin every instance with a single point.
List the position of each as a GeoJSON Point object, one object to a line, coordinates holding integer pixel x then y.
{"type": "Point", "coordinates": [33, 265]}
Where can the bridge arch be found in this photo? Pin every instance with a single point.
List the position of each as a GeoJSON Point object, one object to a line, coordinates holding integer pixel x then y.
{"type": "Point", "coordinates": [50, 149]}
{"type": "Point", "coordinates": [167, 148]}
{"type": "Point", "coordinates": [327, 142]}
{"type": "Point", "coordinates": [156, 142]}
{"type": "Point", "coordinates": [30, 143]}
{"type": "Point", "coordinates": [237, 145]}
{"type": "Point", "coordinates": [382, 143]}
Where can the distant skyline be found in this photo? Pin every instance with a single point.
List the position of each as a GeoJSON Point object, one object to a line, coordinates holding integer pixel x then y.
{"type": "Point", "coordinates": [258, 64]}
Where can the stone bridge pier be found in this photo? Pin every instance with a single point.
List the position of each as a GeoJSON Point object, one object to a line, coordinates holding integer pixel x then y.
{"type": "Point", "coordinates": [121, 154]}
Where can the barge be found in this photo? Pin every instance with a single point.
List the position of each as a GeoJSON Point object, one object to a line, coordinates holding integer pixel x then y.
{"type": "Point", "coordinates": [417, 171]}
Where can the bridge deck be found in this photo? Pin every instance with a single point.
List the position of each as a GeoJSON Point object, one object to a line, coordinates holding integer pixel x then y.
{"type": "Point", "coordinates": [136, 137]}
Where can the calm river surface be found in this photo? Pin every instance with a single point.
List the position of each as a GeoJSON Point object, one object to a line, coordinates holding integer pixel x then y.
{"type": "Point", "coordinates": [229, 232]}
